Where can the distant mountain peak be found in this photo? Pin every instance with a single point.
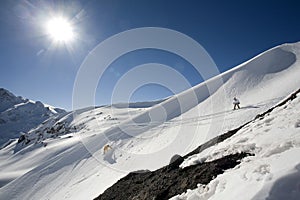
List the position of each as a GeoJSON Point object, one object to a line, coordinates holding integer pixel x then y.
{"type": "Point", "coordinates": [21, 115]}
{"type": "Point", "coordinates": [8, 99]}
{"type": "Point", "coordinates": [6, 93]}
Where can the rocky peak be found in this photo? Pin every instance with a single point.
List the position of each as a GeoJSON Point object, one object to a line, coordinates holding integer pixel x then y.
{"type": "Point", "coordinates": [7, 99]}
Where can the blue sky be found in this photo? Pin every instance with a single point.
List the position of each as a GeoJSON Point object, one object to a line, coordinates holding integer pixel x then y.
{"type": "Point", "coordinates": [230, 31]}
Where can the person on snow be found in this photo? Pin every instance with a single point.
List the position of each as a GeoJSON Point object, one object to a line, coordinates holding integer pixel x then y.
{"type": "Point", "coordinates": [106, 148]}
{"type": "Point", "coordinates": [236, 103]}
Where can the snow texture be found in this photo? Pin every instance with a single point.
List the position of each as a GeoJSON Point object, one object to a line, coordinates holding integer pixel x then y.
{"type": "Point", "coordinates": [273, 173]}
{"type": "Point", "coordinates": [64, 158]}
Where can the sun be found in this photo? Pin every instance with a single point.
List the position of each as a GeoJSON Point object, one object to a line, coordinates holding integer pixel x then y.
{"type": "Point", "coordinates": [60, 29]}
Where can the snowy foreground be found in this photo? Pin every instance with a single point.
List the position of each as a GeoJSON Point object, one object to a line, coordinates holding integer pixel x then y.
{"type": "Point", "coordinates": [274, 171]}
{"type": "Point", "coordinates": [63, 157]}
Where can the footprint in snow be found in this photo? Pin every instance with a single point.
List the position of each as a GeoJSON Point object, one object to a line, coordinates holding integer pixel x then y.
{"type": "Point", "coordinates": [263, 172]}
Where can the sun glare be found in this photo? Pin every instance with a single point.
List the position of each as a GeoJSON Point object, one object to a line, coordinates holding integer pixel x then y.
{"type": "Point", "coordinates": [60, 29]}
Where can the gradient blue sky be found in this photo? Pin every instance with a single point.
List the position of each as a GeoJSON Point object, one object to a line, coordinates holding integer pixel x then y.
{"type": "Point", "coordinates": [230, 31]}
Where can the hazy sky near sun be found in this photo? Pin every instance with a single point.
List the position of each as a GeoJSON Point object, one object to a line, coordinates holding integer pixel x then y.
{"type": "Point", "coordinates": [31, 65]}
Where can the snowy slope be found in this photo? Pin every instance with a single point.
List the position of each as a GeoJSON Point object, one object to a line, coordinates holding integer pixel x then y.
{"type": "Point", "coordinates": [56, 135]}
{"type": "Point", "coordinates": [73, 166]}
{"type": "Point", "coordinates": [20, 115]}
{"type": "Point", "coordinates": [274, 170]}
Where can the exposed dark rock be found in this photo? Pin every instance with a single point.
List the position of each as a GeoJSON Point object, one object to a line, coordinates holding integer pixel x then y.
{"type": "Point", "coordinates": [27, 141]}
{"type": "Point", "coordinates": [165, 183]}
{"type": "Point", "coordinates": [21, 138]}
{"type": "Point", "coordinates": [141, 171]}
{"type": "Point", "coordinates": [175, 161]}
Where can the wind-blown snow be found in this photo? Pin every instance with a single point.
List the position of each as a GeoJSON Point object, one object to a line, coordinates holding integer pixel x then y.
{"type": "Point", "coordinates": [64, 158]}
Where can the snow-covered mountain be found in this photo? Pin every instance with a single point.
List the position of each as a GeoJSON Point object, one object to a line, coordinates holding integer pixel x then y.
{"type": "Point", "coordinates": [64, 158]}
{"type": "Point", "coordinates": [20, 115]}
{"type": "Point", "coordinates": [8, 100]}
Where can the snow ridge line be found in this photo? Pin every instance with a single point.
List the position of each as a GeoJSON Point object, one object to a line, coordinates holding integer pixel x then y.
{"type": "Point", "coordinates": [289, 98]}
{"type": "Point", "coordinates": [230, 133]}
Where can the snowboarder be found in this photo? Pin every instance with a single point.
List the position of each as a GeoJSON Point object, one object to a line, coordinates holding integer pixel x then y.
{"type": "Point", "coordinates": [236, 103]}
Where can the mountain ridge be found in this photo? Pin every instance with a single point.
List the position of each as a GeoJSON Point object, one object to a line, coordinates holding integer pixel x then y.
{"type": "Point", "coordinates": [19, 115]}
